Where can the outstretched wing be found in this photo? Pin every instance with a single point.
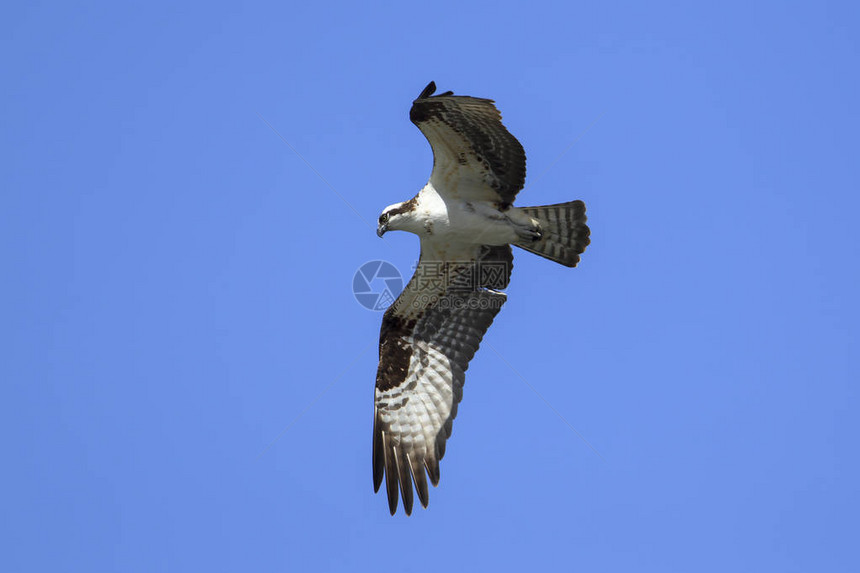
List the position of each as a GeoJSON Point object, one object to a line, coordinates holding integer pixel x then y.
{"type": "Point", "coordinates": [474, 156]}
{"type": "Point", "coordinates": [428, 337]}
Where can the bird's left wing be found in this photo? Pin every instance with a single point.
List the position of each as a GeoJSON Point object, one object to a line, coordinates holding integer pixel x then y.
{"type": "Point", "coordinates": [428, 337]}
{"type": "Point", "coordinates": [474, 156]}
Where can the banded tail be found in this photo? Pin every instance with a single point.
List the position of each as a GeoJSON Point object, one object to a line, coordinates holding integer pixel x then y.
{"type": "Point", "coordinates": [564, 232]}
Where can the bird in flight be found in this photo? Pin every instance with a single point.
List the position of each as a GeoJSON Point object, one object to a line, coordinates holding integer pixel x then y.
{"type": "Point", "coordinates": [466, 221]}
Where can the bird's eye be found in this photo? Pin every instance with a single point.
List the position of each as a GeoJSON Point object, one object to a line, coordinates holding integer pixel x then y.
{"type": "Point", "coordinates": [384, 218]}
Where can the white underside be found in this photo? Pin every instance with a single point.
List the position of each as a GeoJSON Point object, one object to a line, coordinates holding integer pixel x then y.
{"type": "Point", "coordinates": [459, 222]}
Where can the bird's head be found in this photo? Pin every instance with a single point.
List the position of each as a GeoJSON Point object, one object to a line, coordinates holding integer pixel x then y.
{"type": "Point", "coordinates": [395, 218]}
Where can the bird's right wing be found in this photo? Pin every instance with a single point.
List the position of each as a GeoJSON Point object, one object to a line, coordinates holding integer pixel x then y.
{"type": "Point", "coordinates": [427, 339]}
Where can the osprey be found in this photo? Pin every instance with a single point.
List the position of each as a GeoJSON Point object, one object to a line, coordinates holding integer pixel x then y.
{"type": "Point", "coordinates": [466, 221]}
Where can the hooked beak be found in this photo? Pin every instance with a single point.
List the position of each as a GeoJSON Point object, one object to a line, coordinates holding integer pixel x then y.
{"type": "Point", "coordinates": [380, 230]}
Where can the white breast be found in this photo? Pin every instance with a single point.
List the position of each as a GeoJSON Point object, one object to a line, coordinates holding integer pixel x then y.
{"type": "Point", "coordinates": [461, 221]}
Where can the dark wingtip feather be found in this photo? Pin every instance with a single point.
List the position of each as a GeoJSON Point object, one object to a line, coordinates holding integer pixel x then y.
{"type": "Point", "coordinates": [405, 480]}
{"type": "Point", "coordinates": [390, 474]}
{"type": "Point", "coordinates": [420, 482]}
{"type": "Point", "coordinates": [440, 448]}
{"type": "Point", "coordinates": [428, 91]}
{"type": "Point", "coordinates": [432, 466]}
{"type": "Point", "coordinates": [377, 479]}
{"type": "Point", "coordinates": [378, 457]}
{"type": "Point", "coordinates": [391, 489]}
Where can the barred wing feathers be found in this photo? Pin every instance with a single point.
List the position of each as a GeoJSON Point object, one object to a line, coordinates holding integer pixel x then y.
{"type": "Point", "coordinates": [474, 156]}
{"type": "Point", "coordinates": [427, 339]}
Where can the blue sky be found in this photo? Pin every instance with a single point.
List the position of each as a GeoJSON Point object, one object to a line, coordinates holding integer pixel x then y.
{"type": "Point", "coordinates": [187, 379]}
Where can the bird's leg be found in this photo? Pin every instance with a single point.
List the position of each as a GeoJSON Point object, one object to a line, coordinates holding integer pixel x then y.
{"type": "Point", "coordinates": [525, 227]}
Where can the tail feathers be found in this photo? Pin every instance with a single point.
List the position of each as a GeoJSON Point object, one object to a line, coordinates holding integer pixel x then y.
{"type": "Point", "coordinates": [564, 234]}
